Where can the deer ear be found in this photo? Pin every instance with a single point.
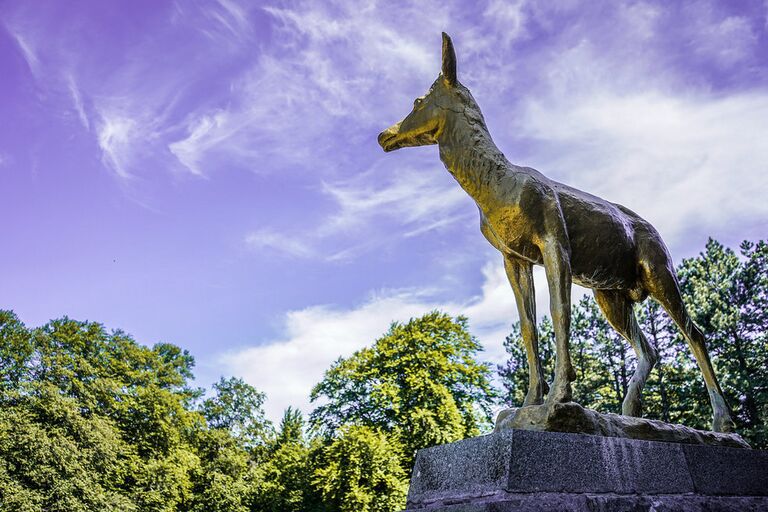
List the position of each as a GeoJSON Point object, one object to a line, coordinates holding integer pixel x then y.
{"type": "Point", "coordinates": [449, 60]}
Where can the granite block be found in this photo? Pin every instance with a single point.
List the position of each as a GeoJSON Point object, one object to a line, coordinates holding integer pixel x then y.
{"type": "Point", "coordinates": [728, 471]}
{"type": "Point", "coordinates": [530, 470]}
{"type": "Point", "coordinates": [560, 462]}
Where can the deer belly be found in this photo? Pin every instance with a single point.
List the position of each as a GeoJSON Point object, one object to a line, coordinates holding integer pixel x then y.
{"type": "Point", "coordinates": [604, 270]}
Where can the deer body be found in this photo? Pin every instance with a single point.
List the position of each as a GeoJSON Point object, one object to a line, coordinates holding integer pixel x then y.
{"type": "Point", "coordinates": [575, 236]}
{"type": "Point", "coordinates": [514, 200]}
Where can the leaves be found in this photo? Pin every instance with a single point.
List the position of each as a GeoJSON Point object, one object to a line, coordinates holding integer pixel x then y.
{"type": "Point", "coordinates": [421, 380]}
{"type": "Point", "coordinates": [238, 407]}
{"type": "Point", "coordinates": [362, 472]}
{"type": "Point", "coordinates": [91, 420]}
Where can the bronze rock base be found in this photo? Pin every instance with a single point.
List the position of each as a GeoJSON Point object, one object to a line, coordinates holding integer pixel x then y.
{"type": "Point", "coordinates": [572, 417]}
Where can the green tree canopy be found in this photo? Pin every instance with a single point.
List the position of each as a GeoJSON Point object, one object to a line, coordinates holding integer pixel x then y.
{"type": "Point", "coordinates": [421, 381]}
{"type": "Point", "coordinates": [361, 471]}
{"type": "Point", "coordinates": [92, 420]}
{"type": "Point", "coordinates": [238, 407]}
{"type": "Point", "coordinates": [727, 295]}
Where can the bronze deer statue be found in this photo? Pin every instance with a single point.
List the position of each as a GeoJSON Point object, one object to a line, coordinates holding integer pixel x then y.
{"type": "Point", "coordinates": [577, 237]}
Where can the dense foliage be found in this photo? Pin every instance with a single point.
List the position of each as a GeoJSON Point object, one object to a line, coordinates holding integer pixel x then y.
{"type": "Point", "coordinates": [419, 383]}
{"type": "Point", "coordinates": [92, 420]}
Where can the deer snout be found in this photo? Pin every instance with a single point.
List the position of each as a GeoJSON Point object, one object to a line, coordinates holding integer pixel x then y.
{"type": "Point", "coordinates": [387, 137]}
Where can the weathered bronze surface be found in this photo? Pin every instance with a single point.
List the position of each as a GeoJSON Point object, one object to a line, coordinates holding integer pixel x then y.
{"type": "Point", "coordinates": [572, 417]}
{"type": "Point", "coordinates": [577, 237]}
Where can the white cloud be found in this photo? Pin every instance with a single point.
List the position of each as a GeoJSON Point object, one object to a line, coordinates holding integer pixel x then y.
{"type": "Point", "coordinates": [314, 337]}
{"type": "Point", "coordinates": [286, 369]}
{"type": "Point", "coordinates": [267, 239]}
{"type": "Point", "coordinates": [727, 41]}
{"type": "Point", "coordinates": [116, 134]}
{"type": "Point", "coordinates": [411, 202]}
{"type": "Point", "coordinates": [684, 163]}
{"type": "Point", "coordinates": [411, 196]}
{"type": "Point", "coordinates": [27, 49]}
{"type": "Point", "coordinates": [77, 100]}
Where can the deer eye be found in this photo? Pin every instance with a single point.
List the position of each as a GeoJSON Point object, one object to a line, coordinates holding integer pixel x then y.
{"type": "Point", "coordinates": [417, 102]}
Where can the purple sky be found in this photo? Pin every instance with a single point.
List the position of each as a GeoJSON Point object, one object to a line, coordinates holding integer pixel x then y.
{"type": "Point", "coordinates": [206, 173]}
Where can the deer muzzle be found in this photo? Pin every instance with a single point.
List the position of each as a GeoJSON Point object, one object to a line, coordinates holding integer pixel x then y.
{"type": "Point", "coordinates": [387, 138]}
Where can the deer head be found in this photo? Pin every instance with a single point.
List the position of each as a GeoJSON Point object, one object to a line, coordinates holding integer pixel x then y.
{"type": "Point", "coordinates": [427, 120]}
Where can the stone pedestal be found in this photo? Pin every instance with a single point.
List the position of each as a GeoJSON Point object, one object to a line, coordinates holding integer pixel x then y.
{"type": "Point", "coordinates": [520, 470]}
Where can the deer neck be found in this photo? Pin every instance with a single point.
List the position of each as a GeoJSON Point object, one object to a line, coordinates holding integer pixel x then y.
{"type": "Point", "coordinates": [471, 156]}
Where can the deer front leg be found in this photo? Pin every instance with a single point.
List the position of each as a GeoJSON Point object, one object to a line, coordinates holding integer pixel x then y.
{"type": "Point", "coordinates": [558, 270]}
{"type": "Point", "coordinates": [520, 275]}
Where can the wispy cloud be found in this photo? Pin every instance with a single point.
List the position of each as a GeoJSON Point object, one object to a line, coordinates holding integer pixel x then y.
{"type": "Point", "coordinates": [116, 134]}
{"type": "Point", "coordinates": [190, 150]}
{"type": "Point", "coordinates": [765, 14]}
{"type": "Point", "coordinates": [410, 196]}
{"type": "Point", "coordinates": [410, 202]}
{"type": "Point", "coordinates": [726, 40]}
{"type": "Point", "coordinates": [291, 245]}
{"type": "Point", "coordinates": [510, 15]}
{"type": "Point", "coordinates": [77, 100]}
{"type": "Point", "coordinates": [232, 16]}
{"type": "Point", "coordinates": [26, 48]}
{"type": "Point", "coordinates": [322, 77]}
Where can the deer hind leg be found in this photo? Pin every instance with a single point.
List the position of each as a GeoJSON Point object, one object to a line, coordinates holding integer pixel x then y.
{"type": "Point", "coordinates": [617, 308]}
{"type": "Point", "coordinates": [520, 275]}
{"type": "Point", "coordinates": [662, 284]}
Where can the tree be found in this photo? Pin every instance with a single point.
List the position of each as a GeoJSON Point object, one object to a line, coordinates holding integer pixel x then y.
{"type": "Point", "coordinates": [361, 471]}
{"type": "Point", "coordinates": [225, 478]}
{"type": "Point", "coordinates": [285, 479]}
{"type": "Point", "coordinates": [54, 458]}
{"type": "Point", "coordinates": [238, 407]}
{"type": "Point", "coordinates": [15, 351]}
{"type": "Point", "coordinates": [728, 298]}
{"type": "Point", "coordinates": [419, 382]}
{"type": "Point", "coordinates": [675, 391]}
{"type": "Point", "coordinates": [604, 360]}
{"type": "Point", "coordinates": [291, 427]}
{"type": "Point", "coordinates": [92, 420]}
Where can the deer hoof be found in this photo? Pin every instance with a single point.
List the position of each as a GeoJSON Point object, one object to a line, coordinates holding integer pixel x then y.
{"type": "Point", "coordinates": [560, 392]}
{"type": "Point", "coordinates": [536, 394]}
{"type": "Point", "coordinates": [723, 423]}
{"type": "Point", "coordinates": [632, 408]}
{"type": "Point", "coordinates": [533, 399]}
